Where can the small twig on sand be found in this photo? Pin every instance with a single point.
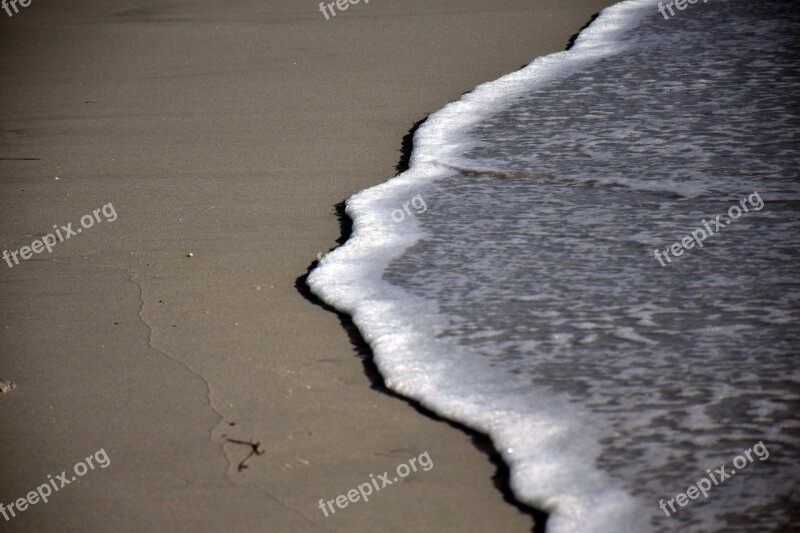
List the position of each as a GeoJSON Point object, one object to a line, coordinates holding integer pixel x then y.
{"type": "Point", "coordinates": [255, 449]}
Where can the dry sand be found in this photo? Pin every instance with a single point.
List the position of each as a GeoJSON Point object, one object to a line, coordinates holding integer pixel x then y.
{"type": "Point", "coordinates": [229, 130]}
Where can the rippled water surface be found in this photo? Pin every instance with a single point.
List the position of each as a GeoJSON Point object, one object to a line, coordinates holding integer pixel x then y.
{"type": "Point", "coordinates": [539, 252]}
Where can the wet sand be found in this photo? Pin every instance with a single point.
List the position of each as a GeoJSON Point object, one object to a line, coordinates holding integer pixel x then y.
{"type": "Point", "coordinates": [230, 130]}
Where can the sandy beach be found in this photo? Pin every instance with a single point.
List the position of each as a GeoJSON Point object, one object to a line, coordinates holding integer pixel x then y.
{"type": "Point", "coordinates": [228, 131]}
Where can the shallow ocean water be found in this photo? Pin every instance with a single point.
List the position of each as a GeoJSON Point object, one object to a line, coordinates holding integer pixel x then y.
{"type": "Point", "coordinates": [526, 301]}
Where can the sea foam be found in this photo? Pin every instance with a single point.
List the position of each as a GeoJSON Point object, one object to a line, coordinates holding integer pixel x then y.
{"type": "Point", "coordinates": [499, 307]}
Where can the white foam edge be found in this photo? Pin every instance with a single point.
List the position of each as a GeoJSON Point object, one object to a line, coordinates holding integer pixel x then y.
{"type": "Point", "coordinates": [555, 470]}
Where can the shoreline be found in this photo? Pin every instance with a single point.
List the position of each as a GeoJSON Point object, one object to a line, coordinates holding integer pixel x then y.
{"type": "Point", "coordinates": [403, 328]}
{"type": "Point", "coordinates": [481, 441]}
{"type": "Point", "coordinates": [228, 131]}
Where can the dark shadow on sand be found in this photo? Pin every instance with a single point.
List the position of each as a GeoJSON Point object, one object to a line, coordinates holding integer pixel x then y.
{"type": "Point", "coordinates": [574, 38]}
{"type": "Point", "coordinates": [407, 145]}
